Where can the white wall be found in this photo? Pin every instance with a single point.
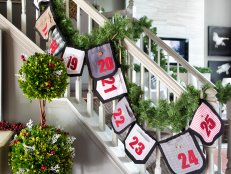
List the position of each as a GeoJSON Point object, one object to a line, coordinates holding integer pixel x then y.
{"type": "Point", "coordinates": [217, 13]}
{"type": "Point", "coordinates": [179, 19]}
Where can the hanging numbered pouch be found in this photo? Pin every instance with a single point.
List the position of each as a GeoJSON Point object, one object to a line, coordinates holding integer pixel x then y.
{"type": "Point", "coordinates": [101, 62]}
{"type": "Point", "coordinates": [45, 23]}
{"type": "Point", "coordinates": [57, 42]}
{"type": "Point", "coordinates": [139, 145]}
{"type": "Point", "coordinates": [74, 61]}
{"type": "Point", "coordinates": [37, 2]}
{"type": "Point", "coordinates": [110, 88]}
{"type": "Point", "coordinates": [183, 154]}
{"type": "Point", "coordinates": [123, 116]}
{"type": "Point", "coordinates": [206, 123]}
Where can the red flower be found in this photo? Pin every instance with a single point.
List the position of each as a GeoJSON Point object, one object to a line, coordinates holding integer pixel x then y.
{"type": "Point", "coordinates": [16, 141]}
{"type": "Point", "coordinates": [43, 167]}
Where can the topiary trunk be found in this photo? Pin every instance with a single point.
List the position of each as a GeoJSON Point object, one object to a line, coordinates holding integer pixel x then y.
{"type": "Point", "coordinates": [42, 104]}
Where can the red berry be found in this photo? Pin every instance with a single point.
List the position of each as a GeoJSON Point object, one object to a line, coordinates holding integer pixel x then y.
{"type": "Point", "coordinates": [51, 65]}
{"type": "Point", "coordinates": [16, 141]}
{"type": "Point", "coordinates": [43, 167]}
{"type": "Point", "coordinates": [52, 152]}
{"type": "Point", "coordinates": [24, 134]}
{"type": "Point", "coordinates": [49, 84]}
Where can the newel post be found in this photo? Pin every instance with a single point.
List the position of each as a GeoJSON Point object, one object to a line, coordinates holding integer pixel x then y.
{"type": "Point", "coordinates": [211, 98]}
{"type": "Point", "coordinates": [228, 106]}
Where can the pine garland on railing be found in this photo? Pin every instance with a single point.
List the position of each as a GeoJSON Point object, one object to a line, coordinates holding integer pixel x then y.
{"type": "Point", "coordinates": [172, 115]}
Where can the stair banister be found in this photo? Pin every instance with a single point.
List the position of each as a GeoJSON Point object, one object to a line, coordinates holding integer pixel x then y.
{"type": "Point", "coordinates": [177, 57]}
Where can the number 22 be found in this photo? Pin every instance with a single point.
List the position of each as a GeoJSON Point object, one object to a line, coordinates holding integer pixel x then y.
{"type": "Point", "coordinates": [115, 115]}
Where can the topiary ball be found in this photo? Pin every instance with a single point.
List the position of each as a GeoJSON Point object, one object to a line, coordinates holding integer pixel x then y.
{"type": "Point", "coordinates": [43, 76]}
{"type": "Point", "coordinates": [41, 150]}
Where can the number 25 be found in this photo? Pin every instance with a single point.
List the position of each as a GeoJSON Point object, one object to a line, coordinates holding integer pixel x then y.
{"type": "Point", "coordinates": [208, 124]}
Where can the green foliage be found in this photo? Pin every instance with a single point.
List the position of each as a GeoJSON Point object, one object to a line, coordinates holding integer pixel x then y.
{"type": "Point", "coordinates": [43, 76]}
{"type": "Point", "coordinates": [203, 69]}
{"type": "Point", "coordinates": [36, 152]}
{"type": "Point", "coordinates": [136, 67]}
{"type": "Point", "coordinates": [146, 111]}
{"type": "Point", "coordinates": [134, 95]}
{"type": "Point", "coordinates": [223, 92]}
{"type": "Point", "coordinates": [181, 69]}
{"type": "Point", "coordinates": [173, 115]}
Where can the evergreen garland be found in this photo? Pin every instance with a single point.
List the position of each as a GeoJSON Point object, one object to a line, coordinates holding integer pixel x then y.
{"type": "Point", "coordinates": [174, 115]}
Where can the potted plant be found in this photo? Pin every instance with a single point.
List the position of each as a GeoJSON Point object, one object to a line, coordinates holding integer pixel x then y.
{"type": "Point", "coordinates": [42, 148]}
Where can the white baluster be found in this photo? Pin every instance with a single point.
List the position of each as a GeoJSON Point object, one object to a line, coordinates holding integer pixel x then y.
{"type": "Point", "coordinates": [142, 77]}
{"type": "Point", "coordinates": [178, 72]}
{"type": "Point", "coordinates": [23, 17]}
{"type": "Point", "coordinates": [158, 154]}
{"type": "Point", "coordinates": [130, 60]}
{"type": "Point", "coordinates": [78, 82]}
{"type": "Point", "coordinates": [67, 8]}
{"type": "Point", "coordinates": [9, 10]}
{"type": "Point", "coordinates": [78, 89]}
{"type": "Point", "coordinates": [157, 79]}
{"type": "Point", "coordinates": [228, 106]}
{"type": "Point", "coordinates": [149, 84]}
{"type": "Point", "coordinates": [90, 82]}
{"type": "Point", "coordinates": [141, 66]}
{"type": "Point", "coordinates": [67, 92]}
{"type": "Point", "coordinates": [114, 135]}
{"type": "Point", "coordinates": [149, 74]}
{"type": "Point", "coordinates": [101, 117]}
{"type": "Point", "coordinates": [37, 36]}
{"type": "Point", "coordinates": [78, 17]}
{"type": "Point", "coordinates": [90, 97]}
{"type": "Point", "coordinates": [142, 168]}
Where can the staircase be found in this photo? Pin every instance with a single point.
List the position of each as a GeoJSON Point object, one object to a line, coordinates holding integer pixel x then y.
{"type": "Point", "coordinates": [99, 149]}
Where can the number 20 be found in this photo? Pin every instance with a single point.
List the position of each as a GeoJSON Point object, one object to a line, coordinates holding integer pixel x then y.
{"type": "Point", "coordinates": [105, 64]}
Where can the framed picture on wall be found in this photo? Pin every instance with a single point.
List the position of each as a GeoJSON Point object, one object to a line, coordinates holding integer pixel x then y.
{"type": "Point", "coordinates": [219, 41]}
{"type": "Point", "coordinates": [220, 70]}
{"type": "Point", "coordinates": [178, 45]}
